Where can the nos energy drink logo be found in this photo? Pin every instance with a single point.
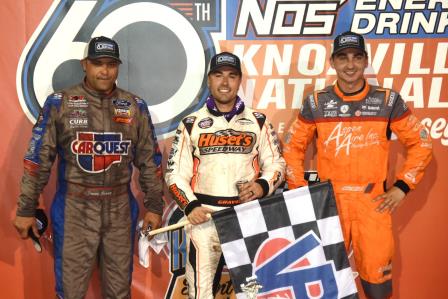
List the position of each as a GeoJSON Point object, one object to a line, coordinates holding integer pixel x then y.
{"type": "Point", "coordinates": [96, 152]}
{"type": "Point", "coordinates": [165, 47]}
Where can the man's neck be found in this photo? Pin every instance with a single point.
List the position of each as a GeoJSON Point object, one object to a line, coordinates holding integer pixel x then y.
{"type": "Point", "coordinates": [353, 88]}
{"type": "Point", "coordinates": [225, 108]}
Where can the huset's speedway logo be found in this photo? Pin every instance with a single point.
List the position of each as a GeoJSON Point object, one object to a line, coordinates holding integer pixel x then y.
{"type": "Point", "coordinates": [96, 152]}
{"type": "Point", "coordinates": [226, 141]}
{"type": "Point", "coordinates": [161, 44]}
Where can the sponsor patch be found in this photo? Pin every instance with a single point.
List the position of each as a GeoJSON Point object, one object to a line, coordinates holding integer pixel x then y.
{"type": "Point", "coordinates": [102, 46]}
{"type": "Point", "coordinates": [226, 141]}
{"type": "Point", "coordinates": [189, 120]}
{"type": "Point", "coordinates": [391, 101]}
{"type": "Point", "coordinates": [78, 118]}
{"type": "Point", "coordinates": [344, 108]}
{"type": "Point", "coordinates": [369, 113]}
{"type": "Point", "coordinates": [122, 120]}
{"type": "Point", "coordinates": [331, 104]}
{"type": "Point", "coordinates": [423, 134]}
{"type": "Point", "coordinates": [122, 111]}
{"type": "Point", "coordinates": [76, 101]}
{"type": "Point", "coordinates": [357, 113]}
{"type": "Point", "coordinates": [205, 123]}
{"type": "Point", "coordinates": [179, 195]}
{"type": "Point", "coordinates": [330, 113]}
{"type": "Point", "coordinates": [97, 152]}
{"type": "Point", "coordinates": [373, 101]}
{"type": "Point", "coordinates": [244, 121]}
{"type": "Point", "coordinates": [121, 103]}
{"type": "Point", "coordinates": [312, 103]}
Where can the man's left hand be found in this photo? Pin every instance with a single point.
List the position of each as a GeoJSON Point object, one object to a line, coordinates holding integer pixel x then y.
{"type": "Point", "coordinates": [152, 220]}
{"type": "Point", "coordinates": [391, 200]}
{"type": "Point", "coordinates": [250, 191]}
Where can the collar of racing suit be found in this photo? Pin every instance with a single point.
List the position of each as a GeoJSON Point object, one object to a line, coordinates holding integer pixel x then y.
{"type": "Point", "coordinates": [238, 107]}
{"type": "Point", "coordinates": [354, 96]}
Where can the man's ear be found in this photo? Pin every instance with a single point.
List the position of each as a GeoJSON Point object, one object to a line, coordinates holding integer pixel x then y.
{"type": "Point", "coordinates": [83, 64]}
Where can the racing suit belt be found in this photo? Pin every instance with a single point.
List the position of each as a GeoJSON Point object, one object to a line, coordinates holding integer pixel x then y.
{"type": "Point", "coordinates": [220, 201]}
{"type": "Point", "coordinates": [95, 192]}
{"type": "Point", "coordinates": [344, 187]}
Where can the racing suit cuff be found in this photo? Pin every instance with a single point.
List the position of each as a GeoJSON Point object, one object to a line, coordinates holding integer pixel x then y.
{"type": "Point", "coordinates": [400, 184]}
{"type": "Point", "coordinates": [154, 206]}
{"type": "Point", "coordinates": [191, 206]}
{"type": "Point", "coordinates": [26, 209]}
{"type": "Point", "coordinates": [25, 213]}
{"type": "Point", "coordinates": [264, 185]}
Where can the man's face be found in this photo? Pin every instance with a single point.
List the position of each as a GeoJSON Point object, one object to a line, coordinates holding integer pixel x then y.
{"type": "Point", "coordinates": [101, 73]}
{"type": "Point", "coordinates": [224, 84]}
{"type": "Point", "coordinates": [350, 65]}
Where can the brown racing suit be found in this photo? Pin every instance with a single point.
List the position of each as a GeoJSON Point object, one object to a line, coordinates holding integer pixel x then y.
{"type": "Point", "coordinates": [97, 139]}
{"type": "Point", "coordinates": [352, 138]}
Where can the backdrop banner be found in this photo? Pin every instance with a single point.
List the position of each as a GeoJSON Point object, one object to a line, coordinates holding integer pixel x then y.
{"type": "Point", "coordinates": [284, 46]}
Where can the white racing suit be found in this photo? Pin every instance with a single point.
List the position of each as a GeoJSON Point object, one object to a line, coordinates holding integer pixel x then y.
{"type": "Point", "coordinates": [208, 156]}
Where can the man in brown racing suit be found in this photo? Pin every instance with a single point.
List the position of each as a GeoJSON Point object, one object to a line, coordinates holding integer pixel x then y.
{"type": "Point", "coordinates": [99, 132]}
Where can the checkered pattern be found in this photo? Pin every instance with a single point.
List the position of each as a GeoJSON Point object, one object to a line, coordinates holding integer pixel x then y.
{"type": "Point", "coordinates": [293, 215]}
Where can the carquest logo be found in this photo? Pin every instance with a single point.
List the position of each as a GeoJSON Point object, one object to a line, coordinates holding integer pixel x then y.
{"type": "Point", "coordinates": [162, 45]}
{"type": "Point", "coordinates": [96, 152]}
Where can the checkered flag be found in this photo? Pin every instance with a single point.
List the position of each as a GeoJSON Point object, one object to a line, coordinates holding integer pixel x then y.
{"type": "Point", "coordinates": [291, 243]}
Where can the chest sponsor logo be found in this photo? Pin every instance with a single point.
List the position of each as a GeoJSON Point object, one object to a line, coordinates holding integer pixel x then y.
{"type": "Point", "coordinates": [344, 138]}
{"type": "Point", "coordinates": [205, 123]}
{"type": "Point", "coordinates": [244, 121]}
{"type": "Point", "coordinates": [78, 119]}
{"type": "Point", "coordinates": [345, 108]}
{"type": "Point", "coordinates": [226, 141]}
{"type": "Point", "coordinates": [97, 152]}
{"type": "Point", "coordinates": [373, 101]}
{"type": "Point", "coordinates": [77, 102]}
{"type": "Point", "coordinates": [331, 104]}
{"type": "Point", "coordinates": [122, 111]}
{"type": "Point", "coordinates": [330, 113]}
{"type": "Point", "coordinates": [120, 103]}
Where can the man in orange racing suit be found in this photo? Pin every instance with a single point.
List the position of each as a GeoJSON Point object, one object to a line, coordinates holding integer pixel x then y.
{"type": "Point", "coordinates": [353, 122]}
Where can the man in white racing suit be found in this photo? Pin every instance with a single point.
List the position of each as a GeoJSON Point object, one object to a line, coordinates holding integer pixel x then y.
{"type": "Point", "coordinates": [214, 148]}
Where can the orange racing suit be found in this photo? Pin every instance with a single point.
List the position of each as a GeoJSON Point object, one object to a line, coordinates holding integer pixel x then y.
{"type": "Point", "coordinates": [352, 138]}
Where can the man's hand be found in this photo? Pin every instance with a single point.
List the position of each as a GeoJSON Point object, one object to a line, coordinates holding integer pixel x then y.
{"type": "Point", "coordinates": [390, 200]}
{"type": "Point", "coordinates": [153, 220]}
{"type": "Point", "coordinates": [250, 191]}
{"type": "Point", "coordinates": [199, 215]}
{"type": "Point", "coordinates": [23, 224]}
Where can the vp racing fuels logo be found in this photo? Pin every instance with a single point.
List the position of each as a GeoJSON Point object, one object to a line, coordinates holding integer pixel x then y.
{"type": "Point", "coordinates": [226, 141]}
{"type": "Point", "coordinates": [168, 74]}
{"type": "Point", "coordinates": [96, 152]}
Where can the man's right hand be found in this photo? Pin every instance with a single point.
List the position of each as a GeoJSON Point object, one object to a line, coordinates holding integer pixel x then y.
{"type": "Point", "coordinates": [23, 224]}
{"type": "Point", "coordinates": [199, 215]}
